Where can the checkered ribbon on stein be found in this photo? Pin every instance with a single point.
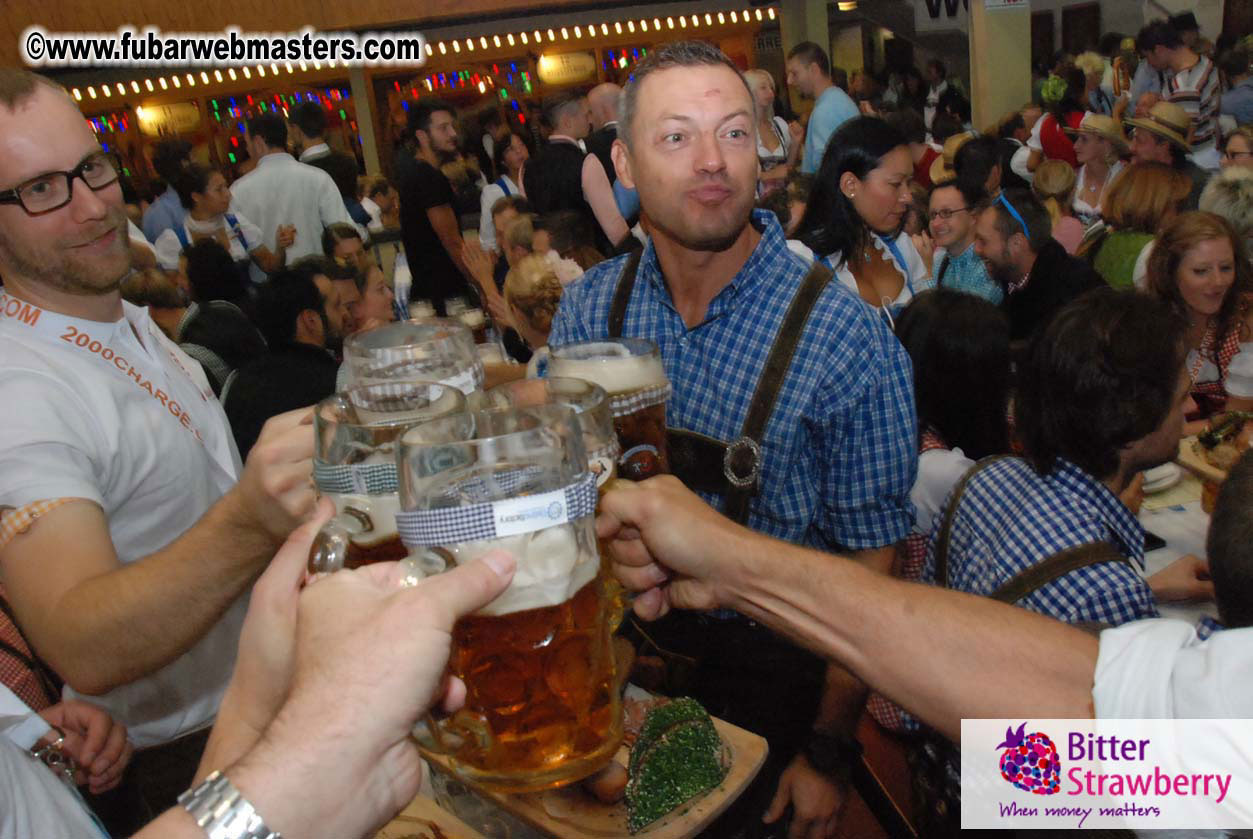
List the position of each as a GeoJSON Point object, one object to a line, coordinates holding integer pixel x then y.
{"type": "Point", "coordinates": [480, 521]}
{"type": "Point", "coordinates": [629, 403]}
{"type": "Point", "coordinates": [355, 479]}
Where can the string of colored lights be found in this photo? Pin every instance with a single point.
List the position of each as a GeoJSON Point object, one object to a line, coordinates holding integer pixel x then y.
{"type": "Point", "coordinates": [524, 38]}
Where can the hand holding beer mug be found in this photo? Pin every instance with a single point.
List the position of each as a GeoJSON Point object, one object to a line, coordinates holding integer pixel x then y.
{"type": "Point", "coordinates": [542, 706]}
{"type": "Point", "coordinates": [354, 464]}
{"type": "Point", "coordinates": [631, 372]}
{"type": "Point", "coordinates": [436, 350]}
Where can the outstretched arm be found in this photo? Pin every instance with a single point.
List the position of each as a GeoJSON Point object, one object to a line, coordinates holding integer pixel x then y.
{"type": "Point", "coordinates": [942, 655]}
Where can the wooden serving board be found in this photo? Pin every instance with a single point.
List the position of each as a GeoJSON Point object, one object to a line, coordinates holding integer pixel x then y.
{"type": "Point", "coordinates": [571, 813]}
{"type": "Point", "coordinates": [424, 819]}
{"type": "Point", "coordinates": [1192, 460]}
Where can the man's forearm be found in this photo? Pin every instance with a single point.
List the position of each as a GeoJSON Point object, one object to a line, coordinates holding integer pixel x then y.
{"type": "Point", "coordinates": [119, 626]}
{"type": "Point", "coordinates": [943, 655]}
{"type": "Point", "coordinates": [843, 694]}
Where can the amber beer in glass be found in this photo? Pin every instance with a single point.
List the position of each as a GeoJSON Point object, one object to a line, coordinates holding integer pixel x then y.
{"type": "Point", "coordinates": [591, 409]}
{"type": "Point", "coordinates": [631, 372]}
{"type": "Point", "coordinates": [356, 436]}
{"type": "Point", "coordinates": [542, 706]}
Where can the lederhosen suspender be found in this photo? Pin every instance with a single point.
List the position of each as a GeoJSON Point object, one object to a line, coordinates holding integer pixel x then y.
{"type": "Point", "coordinates": [1029, 580]}
{"type": "Point", "coordinates": [732, 470]}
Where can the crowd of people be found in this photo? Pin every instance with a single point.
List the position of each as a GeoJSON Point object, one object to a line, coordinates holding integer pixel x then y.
{"type": "Point", "coordinates": [955, 352]}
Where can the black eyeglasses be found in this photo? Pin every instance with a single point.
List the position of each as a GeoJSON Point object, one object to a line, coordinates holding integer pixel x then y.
{"type": "Point", "coordinates": [53, 190]}
{"type": "Point", "coordinates": [946, 214]}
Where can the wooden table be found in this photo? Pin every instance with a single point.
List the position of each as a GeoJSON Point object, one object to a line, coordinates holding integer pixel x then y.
{"type": "Point", "coordinates": [571, 813]}
{"type": "Point", "coordinates": [424, 819]}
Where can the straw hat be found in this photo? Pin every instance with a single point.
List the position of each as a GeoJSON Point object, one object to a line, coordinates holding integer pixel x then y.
{"type": "Point", "coordinates": [1168, 121]}
{"type": "Point", "coordinates": [942, 166]}
{"type": "Point", "coordinates": [1102, 126]}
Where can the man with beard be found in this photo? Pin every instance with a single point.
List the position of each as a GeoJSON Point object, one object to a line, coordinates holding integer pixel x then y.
{"type": "Point", "coordinates": [822, 420]}
{"type": "Point", "coordinates": [128, 529]}
{"type": "Point", "coordinates": [428, 221]}
{"type": "Point", "coordinates": [302, 316]}
{"type": "Point", "coordinates": [1014, 238]}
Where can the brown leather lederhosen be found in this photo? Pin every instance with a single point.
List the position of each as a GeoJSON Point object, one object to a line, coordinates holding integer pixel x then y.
{"type": "Point", "coordinates": [738, 669]}
{"type": "Point", "coordinates": [732, 470]}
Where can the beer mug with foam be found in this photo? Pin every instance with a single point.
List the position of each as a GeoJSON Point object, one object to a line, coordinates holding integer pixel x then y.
{"type": "Point", "coordinates": [435, 350]}
{"type": "Point", "coordinates": [590, 404]}
{"type": "Point", "coordinates": [542, 706]}
{"type": "Point", "coordinates": [356, 435]}
{"type": "Point", "coordinates": [631, 372]}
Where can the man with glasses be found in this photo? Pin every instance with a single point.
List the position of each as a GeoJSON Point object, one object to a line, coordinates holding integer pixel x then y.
{"type": "Point", "coordinates": [1014, 238]}
{"type": "Point", "coordinates": [128, 530]}
{"type": "Point", "coordinates": [952, 210]}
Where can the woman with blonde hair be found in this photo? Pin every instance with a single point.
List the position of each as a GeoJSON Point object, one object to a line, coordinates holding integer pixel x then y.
{"type": "Point", "coordinates": [1093, 66]}
{"type": "Point", "coordinates": [778, 144]}
{"type": "Point", "coordinates": [1140, 200]}
{"type": "Point", "coordinates": [532, 294]}
{"type": "Point", "coordinates": [1054, 185]}
{"type": "Point", "coordinates": [1199, 266]}
{"type": "Point", "coordinates": [1099, 146]}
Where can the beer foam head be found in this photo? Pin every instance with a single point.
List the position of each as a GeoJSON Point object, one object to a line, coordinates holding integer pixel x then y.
{"type": "Point", "coordinates": [613, 366]}
{"type": "Point", "coordinates": [552, 566]}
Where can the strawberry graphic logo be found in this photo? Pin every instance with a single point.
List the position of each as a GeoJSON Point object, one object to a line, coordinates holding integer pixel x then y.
{"type": "Point", "coordinates": [1030, 762]}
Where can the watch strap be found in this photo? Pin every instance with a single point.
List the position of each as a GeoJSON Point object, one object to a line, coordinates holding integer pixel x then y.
{"type": "Point", "coordinates": [832, 754]}
{"type": "Point", "coordinates": [223, 812]}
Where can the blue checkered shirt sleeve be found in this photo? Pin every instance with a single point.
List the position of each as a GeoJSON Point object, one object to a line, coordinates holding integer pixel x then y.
{"type": "Point", "coordinates": [1005, 524]}
{"type": "Point", "coordinates": [869, 436]}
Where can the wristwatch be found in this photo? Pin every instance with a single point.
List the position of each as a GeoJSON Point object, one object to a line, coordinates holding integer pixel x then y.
{"type": "Point", "coordinates": [223, 812]}
{"type": "Point", "coordinates": [832, 754]}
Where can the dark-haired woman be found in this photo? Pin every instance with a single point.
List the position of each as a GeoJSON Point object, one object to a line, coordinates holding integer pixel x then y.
{"type": "Point", "coordinates": [959, 345]}
{"type": "Point", "coordinates": [207, 198]}
{"type": "Point", "coordinates": [857, 210]}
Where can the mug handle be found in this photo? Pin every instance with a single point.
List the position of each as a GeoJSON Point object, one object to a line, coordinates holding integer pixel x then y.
{"type": "Point", "coordinates": [329, 551]}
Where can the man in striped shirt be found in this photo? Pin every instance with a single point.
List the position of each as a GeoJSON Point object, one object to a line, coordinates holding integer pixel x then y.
{"type": "Point", "coordinates": [1193, 85]}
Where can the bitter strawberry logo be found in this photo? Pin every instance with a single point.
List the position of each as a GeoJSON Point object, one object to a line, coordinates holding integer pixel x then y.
{"type": "Point", "coordinates": [1030, 762]}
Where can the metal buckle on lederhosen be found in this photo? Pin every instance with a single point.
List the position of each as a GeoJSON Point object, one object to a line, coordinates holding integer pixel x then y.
{"type": "Point", "coordinates": [704, 464]}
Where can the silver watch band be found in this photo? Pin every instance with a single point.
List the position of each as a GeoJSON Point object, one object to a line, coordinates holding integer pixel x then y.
{"type": "Point", "coordinates": [223, 812]}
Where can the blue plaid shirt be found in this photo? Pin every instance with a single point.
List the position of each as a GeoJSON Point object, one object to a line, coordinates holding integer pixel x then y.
{"type": "Point", "coordinates": [1011, 518]}
{"type": "Point", "coordinates": [840, 450]}
{"type": "Point", "coordinates": [966, 272]}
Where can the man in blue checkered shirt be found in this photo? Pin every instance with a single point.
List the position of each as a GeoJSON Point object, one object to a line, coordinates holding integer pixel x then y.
{"type": "Point", "coordinates": [839, 452]}
{"type": "Point", "coordinates": [1101, 396]}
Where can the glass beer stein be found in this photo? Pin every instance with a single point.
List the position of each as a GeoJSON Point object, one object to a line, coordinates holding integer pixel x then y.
{"type": "Point", "coordinates": [590, 404]}
{"type": "Point", "coordinates": [434, 350]}
{"type": "Point", "coordinates": [354, 464]}
{"type": "Point", "coordinates": [630, 371]}
{"type": "Point", "coordinates": [542, 705]}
